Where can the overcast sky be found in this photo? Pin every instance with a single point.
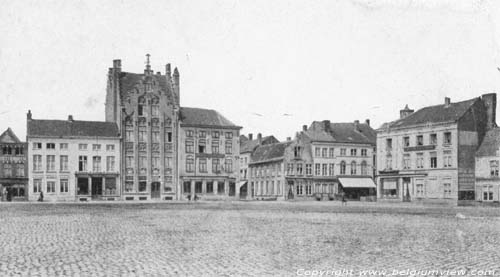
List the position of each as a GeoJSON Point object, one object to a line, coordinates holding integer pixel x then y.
{"type": "Point", "coordinates": [269, 66]}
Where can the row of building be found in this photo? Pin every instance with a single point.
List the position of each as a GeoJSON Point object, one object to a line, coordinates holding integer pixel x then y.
{"type": "Point", "coordinates": [149, 147]}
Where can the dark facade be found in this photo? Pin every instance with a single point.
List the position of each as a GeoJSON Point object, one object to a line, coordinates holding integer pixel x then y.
{"type": "Point", "coordinates": [13, 168]}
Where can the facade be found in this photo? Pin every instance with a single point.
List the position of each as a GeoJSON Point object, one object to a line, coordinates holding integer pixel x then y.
{"type": "Point", "coordinates": [430, 154]}
{"type": "Point", "coordinates": [209, 150]}
{"type": "Point", "coordinates": [73, 160]}
{"type": "Point", "coordinates": [145, 107]}
{"type": "Point", "coordinates": [13, 168]}
{"type": "Point", "coordinates": [487, 168]}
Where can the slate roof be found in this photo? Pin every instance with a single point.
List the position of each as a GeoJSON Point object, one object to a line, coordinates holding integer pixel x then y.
{"type": "Point", "coordinates": [204, 117]}
{"type": "Point", "coordinates": [433, 114]}
{"type": "Point", "coordinates": [75, 128]}
{"type": "Point", "coordinates": [9, 137]}
{"type": "Point", "coordinates": [342, 132]}
{"type": "Point", "coordinates": [129, 80]}
{"type": "Point", "coordinates": [269, 152]}
{"type": "Point", "coordinates": [250, 145]}
{"type": "Point", "coordinates": [490, 144]}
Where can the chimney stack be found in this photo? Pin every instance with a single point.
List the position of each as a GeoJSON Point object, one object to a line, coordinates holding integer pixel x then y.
{"type": "Point", "coordinates": [405, 112]}
{"type": "Point", "coordinates": [250, 136]}
{"type": "Point", "coordinates": [117, 65]}
{"type": "Point", "coordinates": [259, 138]}
{"type": "Point", "coordinates": [367, 121]}
{"type": "Point", "coordinates": [304, 128]}
{"type": "Point", "coordinates": [70, 118]}
{"type": "Point", "coordinates": [490, 102]}
{"type": "Point", "coordinates": [356, 125]}
{"type": "Point", "coordinates": [167, 70]}
{"type": "Point", "coordinates": [447, 101]}
{"type": "Point", "coordinates": [28, 115]}
{"type": "Point", "coordinates": [325, 124]}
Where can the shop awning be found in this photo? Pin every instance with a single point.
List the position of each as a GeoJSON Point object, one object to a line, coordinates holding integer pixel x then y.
{"type": "Point", "coordinates": [357, 183]}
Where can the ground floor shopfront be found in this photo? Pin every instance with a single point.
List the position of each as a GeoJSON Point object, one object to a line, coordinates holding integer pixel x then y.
{"type": "Point", "coordinates": [335, 188]}
{"type": "Point", "coordinates": [97, 186]}
{"type": "Point", "coordinates": [208, 188]}
{"type": "Point", "coordinates": [13, 189]}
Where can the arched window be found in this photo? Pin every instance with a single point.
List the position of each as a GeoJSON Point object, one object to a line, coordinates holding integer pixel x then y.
{"type": "Point", "coordinates": [353, 168]}
{"type": "Point", "coordinates": [342, 168]}
{"type": "Point", "coordinates": [364, 170]}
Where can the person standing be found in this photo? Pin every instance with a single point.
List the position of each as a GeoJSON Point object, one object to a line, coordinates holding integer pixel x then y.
{"type": "Point", "coordinates": [40, 198]}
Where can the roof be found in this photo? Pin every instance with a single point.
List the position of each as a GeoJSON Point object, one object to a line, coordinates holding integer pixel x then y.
{"type": "Point", "coordinates": [204, 117]}
{"type": "Point", "coordinates": [349, 132]}
{"type": "Point", "coordinates": [9, 137]}
{"type": "Point", "coordinates": [75, 128]}
{"type": "Point", "coordinates": [129, 80]}
{"type": "Point", "coordinates": [269, 152]}
{"type": "Point", "coordinates": [434, 114]}
{"type": "Point", "coordinates": [250, 145]}
{"type": "Point", "coordinates": [490, 144]}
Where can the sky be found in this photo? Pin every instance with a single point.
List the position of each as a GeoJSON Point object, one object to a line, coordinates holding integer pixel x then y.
{"type": "Point", "coordinates": [268, 66]}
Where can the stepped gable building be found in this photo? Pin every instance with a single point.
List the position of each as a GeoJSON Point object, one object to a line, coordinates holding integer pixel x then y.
{"type": "Point", "coordinates": [487, 168]}
{"type": "Point", "coordinates": [209, 149]}
{"type": "Point", "coordinates": [430, 154]}
{"type": "Point", "coordinates": [13, 168]}
{"type": "Point", "coordinates": [145, 107]}
{"type": "Point", "coordinates": [331, 159]}
{"type": "Point", "coordinates": [73, 160]}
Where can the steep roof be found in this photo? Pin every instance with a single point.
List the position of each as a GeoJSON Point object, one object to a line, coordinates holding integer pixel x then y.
{"type": "Point", "coordinates": [129, 80]}
{"type": "Point", "coordinates": [490, 144]}
{"type": "Point", "coordinates": [75, 128]}
{"type": "Point", "coordinates": [9, 137]}
{"type": "Point", "coordinates": [250, 145]}
{"type": "Point", "coordinates": [204, 117]}
{"type": "Point", "coordinates": [434, 114]}
{"type": "Point", "coordinates": [269, 152]}
{"type": "Point", "coordinates": [347, 132]}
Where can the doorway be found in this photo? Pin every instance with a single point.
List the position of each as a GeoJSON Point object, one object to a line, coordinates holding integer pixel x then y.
{"type": "Point", "coordinates": [96, 187]}
{"type": "Point", "coordinates": [155, 190]}
{"type": "Point", "coordinates": [244, 191]}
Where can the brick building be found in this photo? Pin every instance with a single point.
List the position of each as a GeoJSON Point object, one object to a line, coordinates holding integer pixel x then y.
{"type": "Point", "coordinates": [13, 168]}
{"type": "Point", "coordinates": [430, 154]}
{"type": "Point", "coordinates": [73, 160]}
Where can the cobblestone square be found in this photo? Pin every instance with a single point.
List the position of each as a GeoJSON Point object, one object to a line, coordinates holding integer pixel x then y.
{"type": "Point", "coordinates": [244, 238]}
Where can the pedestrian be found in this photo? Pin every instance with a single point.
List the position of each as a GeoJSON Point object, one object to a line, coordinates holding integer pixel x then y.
{"type": "Point", "coordinates": [344, 200]}
{"type": "Point", "coordinates": [40, 198]}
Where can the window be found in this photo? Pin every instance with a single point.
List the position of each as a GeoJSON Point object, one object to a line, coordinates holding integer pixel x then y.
{"type": "Point", "coordinates": [433, 139]}
{"type": "Point", "coordinates": [96, 147]}
{"type": "Point", "coordinates": [388, 144]}
{"type": "Point", "coordinates": [353, 168]}
{"type": "Point", "coordinates": [51, 146]}
{"type": "Point", "coordinates": [447, 138]}
{"type": "Point", "coordinates": [143, 185]}
{"type": "Point", "coordinates": [215, 165]}
{"type": "Point", "coordinates": [324, 170]}
{"type": "Point", "coordinates": [433, 160]}
{"type": "Point", "coordinates": [37, 185]}
{"type": "Point", "coordinates": [331, 169]}
{"type": "Point", "coordinates": [110, 186]}
{"type": "Point", "coordinates": [296, 151]}
{"type": "Point", "coordinates": [190, 164]}
{"type": "Point", "coordinates": [215, 147]}
{"type": "Point", "coordinates": [203, 165]}
{"type": "Point", "coordinates": [143, 135]}
{"type": "Point", "coordinates": [215, 134]}
{"type": "Point", "coordinates": [494, 168]}
{"type": "Point", "coordinates": [20, 170]}
{"type": "Point", "coordinates": [189, 147]}
{"type": "Point", "coordinates": [110, 147]}
{"type": "Point", "coordinates": [143, 162]}
{"type": "Point", "coordinates": [221, 187]}
{"type": "Point", "coordinates": [299, 190]}
{"type": "Point", "coordinates": [342, 168]}
{"type": "Point", "coordinates": [308, 189]}
{"type": "Point", "coordinates": [110, 163]}
{"type": "Point", "coordinates": [7, 169]}
{"type": "Point", "coordinates": [487, 193]}
{"type": "Point", "coordinates": [299, 169]}
{"type": "Point", "coordinates": [364, 152]}
{"type": "Point", "coordinates": [308, 169]}
{"type": "Point", "coordinates": [51, 163]}
{"type": "Point", "coordinates": [324, 151]}
{"type": "Point", "coordinates": [51, 186]}
{"type": "Point", "coordinates": [420, 140]}
{"type": "Point", "coordinates": [289, 169]}
{"type": "Point", "coordinates": [228, 164]}
{"type": "Point", "coordinates": [388, 162]}
{"type": "Point", "coordinates": [202, 146]}
{"type": "Point", "coordinates": [129, 161]}
{"type": "Point", "coordinates": [331, 152]}
{"type": "Point", "coordinates": [406, 161]}
{"type": "Point", "coordinates": [82, 146]}
{"type": "Point", "coordinates": [354, 152]}
{"type": "Point", "coordinates": [229, 135]}
{"type": "Point", "coordinates": [140, 110]}
{"type": "Point", "coordinates": [155, 110]}
{"type": "Point", "coordinates": [37, 145]}
{"type": "Point", "coordinates": [186, 187]}
{"type": "Point", "coordinates": [63, 146]}
{"type": "Point", "coordinates": [364, 168]}
{"type": "Point", "coordinates": [37, 162]}
{"type": "Point", "coordinates": [63, 185]}
{"type": "Point", "coordinates": [342, 151]}
{"type": "Point", "coordinates": [447, 190]}
{"type": "Point", "coordinates": [210, 187]}
{"type": "Point", "coordinates": [129, 135]}
{"type": "Point", "coordinates": [420, 160]}
{"type": "Point", "coordinates": [229, 147]}
{"type": "Point", "coordinates": [202, 134]}
{"type": "Point", "coordinates": [317, 169]}
{"type": "Point", "coordinates": [317, 151]}
{"type": "Point", "coordinates": [96, 164]}
{"type": "Point", "coordinates": [20, 151]}
{"type": "Point", "coordinates": [420, 189]}
{"type": "Point", "coordinates": [155, 136]}
{"type": "Point", "coordinates": [447, 159]}
{"type": "Point", "coordinates": [82, 163]}
{"type": "Point", "coordinates": [169, 136]}
{"type": "Point", "coordinates": [63, 163]}
{"type": "Point", "coordinates": [406, 141]}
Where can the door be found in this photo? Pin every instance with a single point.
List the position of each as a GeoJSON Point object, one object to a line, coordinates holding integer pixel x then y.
{"type": "Point", "coordinates": [244, 191]}
{"type": "Point", "coordinates": [96, 187]}
{"type": "Point", "coordinates": [155, 190]}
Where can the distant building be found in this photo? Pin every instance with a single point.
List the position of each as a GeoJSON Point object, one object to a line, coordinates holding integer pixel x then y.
{"type": "Point", "coordinates": [208, 154]}
{"type": "Point", "coordinates": [73, 160]}
{"type": "Point", "coordinates": [13, 168]}
{"type": "Point", "coordinates": [487, 168]}
{"type": "Point", "coordinates": [430, 154]}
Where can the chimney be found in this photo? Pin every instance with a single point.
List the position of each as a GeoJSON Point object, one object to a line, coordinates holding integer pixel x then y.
{"type": "Point", "coordinates": [250, 136]}
{"type": "Point", "coordinates": [325, 125]}
{"type": "Point", "coordinates": [490, 102]}
{"type": "Point", "coordinates": [259, 138]}
{"type": "Point", "coordinates": [117, 65]}
{"type": "Point", "coordinates": [304, 128]}
{"type": "Point", "coordinates": [288, 138]}
{"type": "Point", "coordinates": [70, 118]}
{"type": "Point", "coordinates": [28, 115]}
{"type": "Point", "coordinates": [167, 70]}
{"type": "Point", "coordinates": [447, 101]}
{"type": "Point", "coordinates": [367, 121]}
{"type": "Point", "coordinates": [405, 112]}
{"type": "Point", "coordinates": [356, 125]}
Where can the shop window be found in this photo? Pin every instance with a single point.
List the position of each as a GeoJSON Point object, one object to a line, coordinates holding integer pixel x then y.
{"type": "Point", "coordinates": [198, 187]}
{"type": "Point", "coordinates": [82, 186]}
{"type": "Point", "coordinates": [221, 188]}
{"type": "Point", "coordinates": [210, 187]}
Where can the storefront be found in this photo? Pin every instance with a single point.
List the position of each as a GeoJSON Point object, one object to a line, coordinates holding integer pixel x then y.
{"type": "Point", "coordinates": [14, 189]}
{"type": "Point", "coordinates": [358, 188]}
